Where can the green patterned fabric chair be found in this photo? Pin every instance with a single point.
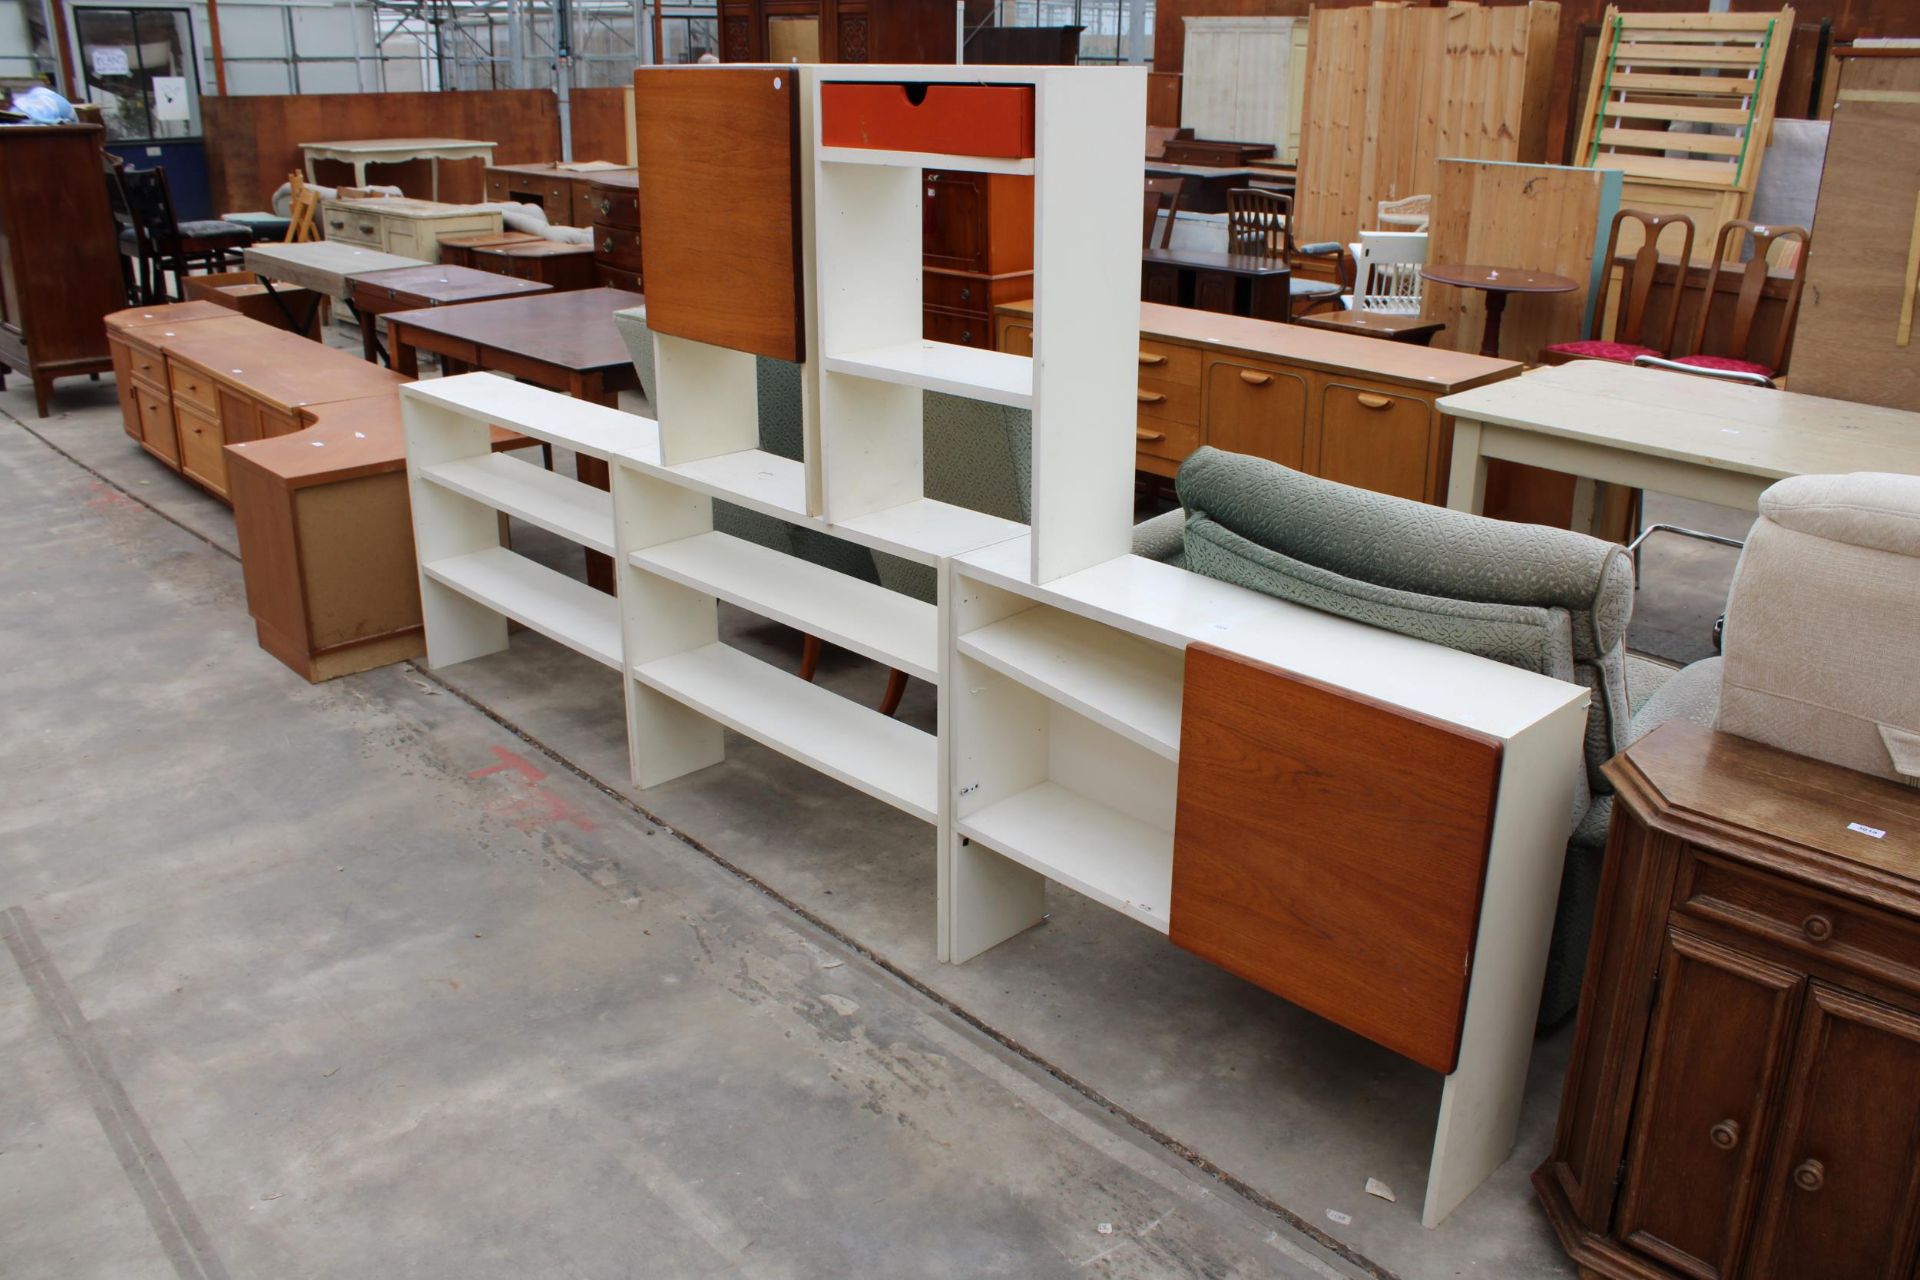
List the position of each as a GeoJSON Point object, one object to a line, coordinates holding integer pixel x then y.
{"type": "Point", "coordinates": [1547, 600]}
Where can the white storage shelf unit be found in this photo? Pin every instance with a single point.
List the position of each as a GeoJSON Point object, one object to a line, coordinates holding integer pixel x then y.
{"type": "Point", "coordinates": [471, 584]}
{"type": "Point", "coordinates": [1064, 763]}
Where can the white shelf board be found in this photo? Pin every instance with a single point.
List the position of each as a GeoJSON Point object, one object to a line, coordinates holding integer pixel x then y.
{"type": "Point", "coordinates": [1177, 607]}
{"type": "Point", "coordinates": [1119, 681]}
{"type": "Point", "coordinates": [1092, 849]}
{"type": "Point", "coordinates": [584, 620]}
{"type": "Point", "coordinates": [870, 752]}
{"type": "Point", "coordinates": [927, 530]}
{"type": "Point", "coordinates": [752, 478]}
{"type": "Point", "coordinates": [925, 160]}
{"type": "Point", "coordinates": [865, 617]}
{"type": "Point", "coordinates": [592, 429]}
{"type": "Point", "coordinates": [993, 376]}
{"type": "Point", "coordinates": [559, 505]}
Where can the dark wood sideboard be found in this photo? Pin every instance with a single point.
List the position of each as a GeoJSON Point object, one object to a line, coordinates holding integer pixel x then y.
{"type": "Point", "coordinates": [1742, 1098]}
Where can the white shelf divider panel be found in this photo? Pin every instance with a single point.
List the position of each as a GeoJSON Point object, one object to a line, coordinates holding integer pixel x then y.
{"type": "Point", "coordinates": [1120, 682]}
{"type": "Point", "coordinates": [877, 754]}
{"type": "Point", "coordinates": [584, 620]}
{"type": "Point", "coordinates": [926, 160]}
{"type": "Point", "coordinates": [993, 376]}
{"type": "Point", "coordinates": [547, 416]}
{"type": "Point", "coordinates": [884, 625]}
{"type": "Point", "coordinates": [1116, 860]}
{"type": "Point", "coordinates": [926, 530]}
{"type": "Point", "coordinates": [577, 512]}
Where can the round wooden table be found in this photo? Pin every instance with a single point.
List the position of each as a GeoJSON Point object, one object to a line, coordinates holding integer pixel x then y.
{"type": "Point", "coordinates": [1496, 283]}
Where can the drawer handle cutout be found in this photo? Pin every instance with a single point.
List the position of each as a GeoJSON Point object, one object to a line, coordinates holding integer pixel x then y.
{"type": "Point", "coordinates": [1810, 1175]}
{"type": "Point", "coordinates": [1146, 359]}
{"type": "Point", "coordinates": [1150, 397]}
{"type": "Point", "coordinates": [1370, 400]}
{"type": "Point", "coordinates": [1725, 1135]}
{"type": "Point", "coordinates": [1817, 927]}
{"type": "Point", "coordinates": [1148, 437]}
{"type": "Point", "coordinates": [1253, 379]}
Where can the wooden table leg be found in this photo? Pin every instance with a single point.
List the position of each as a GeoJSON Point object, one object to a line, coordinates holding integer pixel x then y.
{"type": "Point", "coordinates": [594, 472]}
{"type": "Point", "coordinates": [1490, 336]}
{"type": "Point", "coordinates": [406, 361]}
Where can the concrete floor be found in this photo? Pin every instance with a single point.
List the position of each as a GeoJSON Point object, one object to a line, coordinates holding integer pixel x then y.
{"type": "Point", "coordinates": [396, 976]}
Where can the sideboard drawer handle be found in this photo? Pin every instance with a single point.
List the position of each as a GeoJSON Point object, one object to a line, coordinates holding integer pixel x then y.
{"type": "Point", "coordinates": [1146, 359]}
{"type": "Point", "coordinates": [1725, 1135]}
{"type": "Point", "coordinates": [1150, 397]}
{"type": "Point", "coordinates": [1148, 437]}
{"type": "Point", "coordinates": [606, 246]}
{"type": "Point", "coordinates": [1253, 379]}
{"type": "Point", "coordinates": [1817, 927]}
{"type": "Point", "coordinates": [1810, 1175]}
{"type": "Point", "coordinates": [606, 207]}
{"type": "Point", "coordinates": [1371, 400]}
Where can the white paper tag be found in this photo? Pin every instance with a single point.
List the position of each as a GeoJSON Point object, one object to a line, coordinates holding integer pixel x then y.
{"type": "Point", "coordinates": [1866, 830]}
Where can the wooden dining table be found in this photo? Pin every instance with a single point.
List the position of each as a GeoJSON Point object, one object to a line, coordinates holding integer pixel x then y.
{"type": "Point", "coordinates": [1498, 283]}
{"type": "Point", "coordinates": [379, 293]}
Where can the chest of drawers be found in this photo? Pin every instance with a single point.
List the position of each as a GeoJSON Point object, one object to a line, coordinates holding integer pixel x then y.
{"type": "Point", "coordinates": [616, 231]}
{"type": "Point", "coordinates": [409, 228]}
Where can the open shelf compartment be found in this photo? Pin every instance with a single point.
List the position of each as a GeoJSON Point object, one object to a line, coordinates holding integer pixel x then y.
{"type": "Point", "coordinates": [876, 754]}
{"type": "Point", "coordinates": [993, 376]}
{"type": "Point", "coordinates": [570, 612]}
{"type": "Point", "coordinates": [575, 511]}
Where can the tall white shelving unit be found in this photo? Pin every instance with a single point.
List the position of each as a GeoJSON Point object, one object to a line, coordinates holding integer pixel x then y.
{"type": "Point", "coordinates": [1058, 657]}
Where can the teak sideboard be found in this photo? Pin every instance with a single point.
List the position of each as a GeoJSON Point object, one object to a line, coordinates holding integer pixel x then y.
{"type": "Point", "coordinates": [1741, 1098]}
{"type": "Point", "coordinates": [1356, 410]}
{"type": "Point", "coordinates": [565, 194]}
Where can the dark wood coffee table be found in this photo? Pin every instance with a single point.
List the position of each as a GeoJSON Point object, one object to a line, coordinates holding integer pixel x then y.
{"type": "Point", "coordinates": [1496, 283]}
{"type": "Point", "coordinates": [378, 293]}
{"type": "Point", "coordinates": [1392, 326]}
{"type": "Point", "coordinates": [564, 341]}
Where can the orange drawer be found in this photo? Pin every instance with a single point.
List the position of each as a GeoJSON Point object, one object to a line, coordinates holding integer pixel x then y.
{"type": "Point", "coordinates": [194, 387]}
{"type": "Point", "coordinates": [1164, 362]}
{"type": "Point", "coordinates": [1158, 438]}
{"type": "Point", "coordinates": [143, 362]}
{"type": "Point", "coordinates": [202, 451]}
{"type": "Point", "coordinates": [156, 422]}
{"type": "Point", "coordinates": [943, 119]}
{"type": "Point", "coordinates": [1169, 401]}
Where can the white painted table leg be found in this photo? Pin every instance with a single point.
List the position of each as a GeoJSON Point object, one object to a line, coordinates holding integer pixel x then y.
{"type": "Point", "coordinates": [436, 179]}
{"type": "Point", "coordinates": [310, 177]}
{"type": "Point", "coordinates": [1585, 505]}
{"type": "Point", "coordinates": [1480, 1103]}
{"type": "Point", "coordinates": [1467, 480]}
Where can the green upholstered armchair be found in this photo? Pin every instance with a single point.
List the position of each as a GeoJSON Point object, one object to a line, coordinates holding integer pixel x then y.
{"type": "Point", "coordinates": [1544, 599]}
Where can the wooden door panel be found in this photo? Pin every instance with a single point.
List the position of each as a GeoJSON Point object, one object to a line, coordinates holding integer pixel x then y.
{"type": "Point", "coordinates": [1375, 439]}
{"type": "Point", "coordinates": [1842, 1193]}
{"type": "Point", "coordinates": [1332, 849]}
{"type": "Point", "coordinates": [1257, 409]}
{"type": "Point", "coordinates": [953, 221]}
{"type": "Point", "coordinates": [1714, 1058]}
{"type": "Point", "coordinates": [239, 418]}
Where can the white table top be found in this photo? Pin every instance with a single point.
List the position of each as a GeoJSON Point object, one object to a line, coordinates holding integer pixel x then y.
{"type": "Point", "coordinates": [1772, 434]}
{"type": "Point", "coordinates": [374, 145]}
{"type": "Point", "coordinates": [322, 265]}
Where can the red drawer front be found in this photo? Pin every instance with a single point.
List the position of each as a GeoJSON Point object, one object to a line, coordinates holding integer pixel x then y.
{"type": "Point", "coordinates": [945, 119]}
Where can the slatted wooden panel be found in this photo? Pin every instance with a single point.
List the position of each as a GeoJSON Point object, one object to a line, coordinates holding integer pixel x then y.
{"type": "Point", "coordinates": [1532, 217]}
{"type": "Point", "coordinates": [1392, 90]}
{"type": "Point", "coordinates": [1655, 73]}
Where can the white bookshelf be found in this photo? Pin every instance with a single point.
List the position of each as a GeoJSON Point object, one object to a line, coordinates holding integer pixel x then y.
{"type": "Point", "coordinates": [924, 159]}
{"type": "Point", "coordinates": [471, 585]}
{"type": "Point", "coordinates": [993, 376]}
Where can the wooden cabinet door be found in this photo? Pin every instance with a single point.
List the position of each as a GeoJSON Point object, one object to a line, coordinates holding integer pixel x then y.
{"type": "Point", "coordinates": [1258, 410]}
{"type": "Point", "coordinates": [1016, 338]}
{"type": "Point", "coordinates": [1842, 1192]}
{"type": "Point", "coordinates": [953, 221]}
{"type": "Point", "coordinates": [1375, 439]}
{"type": "Point", "coordinates": [202, 451]}
{"type": "Point", "coordinates": [239, 417]}
{"type": "Point", "coordinates": [1715, 1055]}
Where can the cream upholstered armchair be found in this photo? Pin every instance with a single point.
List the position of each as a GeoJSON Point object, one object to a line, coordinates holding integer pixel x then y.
{"type": "Point", "coordinates": [1822, 640]}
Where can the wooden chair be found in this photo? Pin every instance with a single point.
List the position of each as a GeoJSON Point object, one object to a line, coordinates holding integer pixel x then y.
{"type": "Point", "coordinates": [1163, 194]}
{"type": "Point", "coordinates": [133, 262]}
{"type": "Point", "coordinates": [1260, 224]}
{"type": "Point", "coordinates": [1753, 279]}
{"type": "Point", "coordinates": [1626, 345]}
{"type": "Point", "coordinates": [305, 202]}
{"type": "Point", "coordinates": [167, 244]}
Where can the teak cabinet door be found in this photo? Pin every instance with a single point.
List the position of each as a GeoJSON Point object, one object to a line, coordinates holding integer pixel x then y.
{"type": "Point", "coordinates": [720, 207]}
{"type": "Point", "coordinates": [953, 220]}
{"type": "Point", "coordinates": [1718, 1046]}
{"type": "Point", "coordinates": [1842, 1192]}
{"type": "Point", "coordinates": [1375, 439]}
{"type": "Point", "coordinates": [1257, 410]}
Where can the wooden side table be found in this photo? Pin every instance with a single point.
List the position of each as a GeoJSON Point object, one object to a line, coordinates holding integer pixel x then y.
{"type": "Point", "coordinates": [1741, 1097]}
{"type": "Point", "coordinates": [1497, 283]}
{"type": "Point", "coordinates": [411, 288]}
